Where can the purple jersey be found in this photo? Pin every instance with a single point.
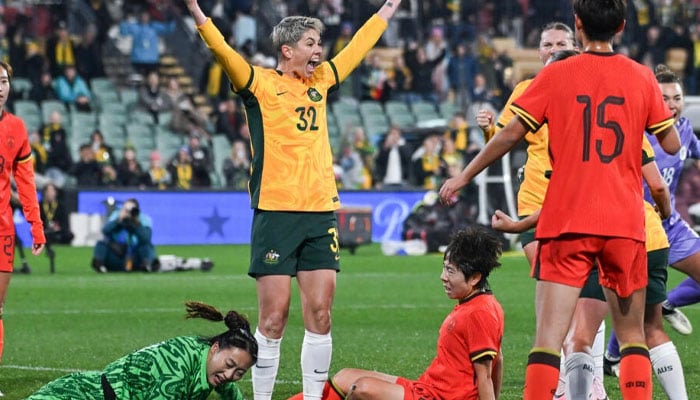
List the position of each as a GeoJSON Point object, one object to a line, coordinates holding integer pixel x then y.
{"type": "Point", "coordinates": [671, 166]}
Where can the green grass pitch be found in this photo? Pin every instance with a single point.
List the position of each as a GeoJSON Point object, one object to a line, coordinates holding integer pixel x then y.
{"type": "Point", "coordinates": [386, 316]}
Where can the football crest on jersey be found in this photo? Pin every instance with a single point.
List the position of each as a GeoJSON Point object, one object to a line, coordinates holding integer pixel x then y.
{"type": "Point", "coordinates": [314, 95]}
{"type": "Point", "coordinates": [10, 143]}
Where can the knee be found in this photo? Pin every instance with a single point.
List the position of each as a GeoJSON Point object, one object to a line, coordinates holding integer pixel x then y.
{"type": "Point", "coordinates": [360, 389]}
{"type": "Point", "coordinates": [272, 325]}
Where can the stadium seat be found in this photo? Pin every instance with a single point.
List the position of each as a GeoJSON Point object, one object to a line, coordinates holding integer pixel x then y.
{"type": "Point", "coordinates": [404, 120]}
{"type": "Point", "coordinates": [49, 106]}
{"type": "Point", "coordinates": [107, 118]}
{"type": "Point", "coordinates": [371, 107]}
{"type": "Point", "coordinates": [141, 136]}
{"type": "Point", "coordinates": [448, 109]}
{"type": "Point", "coordinates": [129, 97]}
{"type": "Point", "coordinates": [393, 107]}
{"type": "Point", "coordinates": [31, 121]}
{"type": "Point", "coordinates": [98, 85]}
{"type": "Point", "coordinates": [26, 107]}
{"type": "Point", "coordinates": [142, 117]}
{"type": "Point", "coordinates": [21, 87]}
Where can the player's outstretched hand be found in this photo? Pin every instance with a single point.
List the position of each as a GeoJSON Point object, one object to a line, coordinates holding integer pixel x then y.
{"type": "Point", "coordinates": [450, 188]}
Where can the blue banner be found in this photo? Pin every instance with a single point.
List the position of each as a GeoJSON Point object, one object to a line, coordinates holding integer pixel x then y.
{"type": "Point", "coordinates": [226, 217]}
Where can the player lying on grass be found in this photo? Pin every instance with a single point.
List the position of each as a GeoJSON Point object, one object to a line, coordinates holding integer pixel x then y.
{"type": "Point", "coordinates": [185, 367]}
{"type": "Point", "coordinates": [468, 364]}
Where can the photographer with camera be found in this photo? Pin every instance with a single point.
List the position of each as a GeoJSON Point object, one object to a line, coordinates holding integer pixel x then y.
{"type": "Point", "coordinates": [127, 242]}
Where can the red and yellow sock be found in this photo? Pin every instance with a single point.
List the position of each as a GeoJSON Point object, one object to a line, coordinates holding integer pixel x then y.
{"type": "Point", "coordinates": [541, 374]}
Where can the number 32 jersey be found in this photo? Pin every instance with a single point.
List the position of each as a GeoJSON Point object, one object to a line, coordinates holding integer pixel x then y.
{"type": "Point", "coordinates": [597, 107]}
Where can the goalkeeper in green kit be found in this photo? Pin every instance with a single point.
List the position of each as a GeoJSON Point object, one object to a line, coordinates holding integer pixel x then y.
{"type": "Point", "coordinates": [185, 367]}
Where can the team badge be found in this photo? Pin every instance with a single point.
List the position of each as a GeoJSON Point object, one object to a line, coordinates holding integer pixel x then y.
{"type": "Point", "coordinates": [10, 143]}
{"type": "Point", "coordinates": [271, 257]}
{"type": "Point", "coordinates": [314, 95]}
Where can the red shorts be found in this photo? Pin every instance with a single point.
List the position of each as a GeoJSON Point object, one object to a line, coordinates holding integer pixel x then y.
{"type": "Point", "coordinates": [569, 259]}
{"type": "Point", "coordinates": [7, 252]}
{"type": "Point", "coordinates": [413, 390]}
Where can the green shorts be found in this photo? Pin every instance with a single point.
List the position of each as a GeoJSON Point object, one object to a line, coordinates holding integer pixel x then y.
{"type": "Point", "coordinates": [528, 236]}
{"type": "Point", "coordinates": [657, 264]}
{"type": "Point", "coordinates": [283, 243]}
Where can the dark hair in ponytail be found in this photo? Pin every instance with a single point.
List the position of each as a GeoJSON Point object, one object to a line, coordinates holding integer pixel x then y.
{"type": "Point", "coordinates": [238, 333]}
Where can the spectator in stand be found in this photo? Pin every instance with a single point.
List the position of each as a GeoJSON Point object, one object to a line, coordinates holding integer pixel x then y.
{"type": "Point", "coordinates": [72, 89]}
{"type": "Point", "coordinates": [186, 118]}
{"type": "Point", "coordinates": [236, 167]}
{"type": "Point", "coordinates": [202, 161]}
{"type": "Point", "coordinates": [462, 68]}
{"type": "Point", "coordinates": [422, 71]}
{"type": "Point", "coordinates": [482, 94]}
{"type": "Point", "coordinates": [229, 119]}
{"type": "Point", "coordinates": [34, 65]}
{"type": "Point", "coordinates": [103, 19]}
{"type": "Point", "coordinates": [399, 80]}
{"type": "Point", "coordinates": [54, 139]}
{"type": "Point", "coordinates": [434, 47]}
{"type": "Point", "coordinates": [87, 170]}
{"type": "Point", "coordinates": [60, 50]}
{"type": "Point", "coordinates": [451, 159]}
{"type": "Point", "coordinates": [152, 98]}
{"type": "Point", "coordinates": [43, 88]}
{"type": "Point", "coordinates": [352, 176]}
{"type": "Point", "coordinates": [157, 176]}
{"type": "Point", "coordinates": [129, 172]}
{"type": "Point", "coordinates": [40, 159]}
{"type": "Point", "coordinates": [393, 162]}
{"type": "Point", "coordinates": [109, 175]}
{"type": "Point", "coordinates": [180, 169]}
{"type": "Point", "coordinates": [426, 163]}
{"type": "Point", "coordinates": [373, 79]}
{"type": "Point", "coordinates": [54, 216]}
{"type": "Point", "coordinates": [344, 36]}
{"type": "Point", "coordinates": [145, 33]}
{"type": "Point", "coordinates": [89, 55]}
{"type": "Point", "coordinates": [104, 154]}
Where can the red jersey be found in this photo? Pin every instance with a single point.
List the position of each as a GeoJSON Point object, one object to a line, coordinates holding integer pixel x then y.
{"type": "Point", "coordinates": [472, 331]}
{"type": "Point", "coordinates": [16, 160]}
{"type": "Point", "coordinates": [597, 107]}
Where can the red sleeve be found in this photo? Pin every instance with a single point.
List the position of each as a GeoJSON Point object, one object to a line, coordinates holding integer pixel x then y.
{"type": "Point", "coordinates": [483, 336]}
{"type": "Point", "coordinates": [24, 178]}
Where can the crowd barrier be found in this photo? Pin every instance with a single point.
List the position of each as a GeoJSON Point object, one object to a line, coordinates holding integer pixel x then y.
{"type": "Point", "coordinates": [181, 218]}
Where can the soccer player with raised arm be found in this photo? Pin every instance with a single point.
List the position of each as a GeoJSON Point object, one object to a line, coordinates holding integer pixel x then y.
{"type": "Point", "coordinates": [292, 186]}
{"type": "Point", "coordinates": [595, 142]}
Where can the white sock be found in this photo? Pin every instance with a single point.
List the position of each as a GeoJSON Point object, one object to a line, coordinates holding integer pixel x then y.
{"type": "Point", "coordinates": [561, 385]}
{"type": "Point", "coordinates": [315, 361]}
{"type": "Point", "coordinates": [669, 370]}
{"type": "Point", "coordinates": [265, 370]}
{"type": "Point", "coordinates": [598, 351]}
{"type": "Point", "coordinates": [579, 375]}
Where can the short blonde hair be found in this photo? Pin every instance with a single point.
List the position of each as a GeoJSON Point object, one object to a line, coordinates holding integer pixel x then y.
{"type": "Point", "coordinates": [291, 29]}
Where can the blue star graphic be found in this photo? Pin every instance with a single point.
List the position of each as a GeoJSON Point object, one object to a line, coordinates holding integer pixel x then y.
{"type": "Point", "coordinates": [215, 223]}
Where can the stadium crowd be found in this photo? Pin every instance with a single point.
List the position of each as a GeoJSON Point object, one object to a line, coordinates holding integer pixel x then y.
{"type": "Point", "coordinates": [438, 63]}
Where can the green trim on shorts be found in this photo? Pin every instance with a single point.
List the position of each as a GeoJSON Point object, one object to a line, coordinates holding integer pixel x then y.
{"type": "Point", "coordinates": [283, 243]}
{"type": "Point", "coordinates": [657, 267]}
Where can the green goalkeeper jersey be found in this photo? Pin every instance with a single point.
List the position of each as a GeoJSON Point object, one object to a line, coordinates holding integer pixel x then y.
{"type": "Point", "coordinates": [172, 369]}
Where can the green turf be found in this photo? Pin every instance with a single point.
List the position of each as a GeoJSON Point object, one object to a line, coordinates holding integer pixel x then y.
{"type": "Point", "coordinates": [386, 316]}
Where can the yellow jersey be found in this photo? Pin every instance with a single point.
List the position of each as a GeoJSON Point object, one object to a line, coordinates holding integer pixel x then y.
{"type": "Point", "coordinates": [534, 184]}
{"type": "Point", "coordinates": [292, 165]}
